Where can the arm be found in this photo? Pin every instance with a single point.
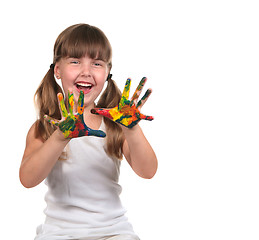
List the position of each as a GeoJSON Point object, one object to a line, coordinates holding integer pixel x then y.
{"type": "Point", "coordinates": [139, 153]}
{"type": "Point", "coordinates": [136, 148]}
{"type": "Point", "coordinates": [40, 157]}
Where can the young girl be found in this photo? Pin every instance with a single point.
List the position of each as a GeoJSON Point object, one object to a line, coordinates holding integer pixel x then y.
{"type": "Point", "coordinates": [79, 155]}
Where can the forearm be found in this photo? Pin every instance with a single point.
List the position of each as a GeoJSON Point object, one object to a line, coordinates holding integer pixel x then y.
{"type": "Point", "coordinates": [37, 165]}
{"type": "Point", "coordinates": [140, 154]}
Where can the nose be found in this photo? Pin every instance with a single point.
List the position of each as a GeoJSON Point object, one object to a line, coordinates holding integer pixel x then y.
{"type": "Point", "coordinates": [85, 70]}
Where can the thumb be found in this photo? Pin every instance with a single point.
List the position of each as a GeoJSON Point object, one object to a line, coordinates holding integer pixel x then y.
{"type": "Point", "coordinates": [144, 117]}
{"type": "Point", "coordinates": [101, 111]}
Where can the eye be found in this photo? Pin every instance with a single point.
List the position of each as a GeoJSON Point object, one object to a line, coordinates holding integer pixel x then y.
{"type": "Point", "coordinates": [98, 63]}
{"type": "Point", "coordinates": [73, 61]}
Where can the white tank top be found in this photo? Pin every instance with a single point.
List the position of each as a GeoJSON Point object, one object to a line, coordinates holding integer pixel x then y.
{"type": "Point", "coordinates": [83, 194]}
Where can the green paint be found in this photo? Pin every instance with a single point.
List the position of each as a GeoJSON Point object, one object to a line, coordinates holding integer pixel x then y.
{"type": "Point", "coordinates": [125, 95]}
{"type": "Point", "coordinates": [62, 105]}
{"type": "Point", "coordinates": [146, 95]}
{"type": "Point", "coordinates": [70, 102]}
{"type": "Point", "coordinates": [73, 125]}
{"type": "Point", "coordinates": [127, 113]}
{"type": "Point", "coordinates": [81, 99]}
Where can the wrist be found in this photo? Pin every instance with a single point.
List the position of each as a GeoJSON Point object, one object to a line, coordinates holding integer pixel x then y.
{"type": "Point", "coordinates": [130, 131]}
{"type": "Point", "coordinates": [59, 136]}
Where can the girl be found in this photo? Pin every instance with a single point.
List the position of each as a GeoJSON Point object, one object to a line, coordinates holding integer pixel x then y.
{"type": "Point", "coordinates": [80, 164]}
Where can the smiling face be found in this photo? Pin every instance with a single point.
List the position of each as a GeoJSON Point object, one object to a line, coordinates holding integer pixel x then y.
{"type": "Point", "coordinates": [82, 74]}
{"type": "Point", "coordinates": [82, 58]}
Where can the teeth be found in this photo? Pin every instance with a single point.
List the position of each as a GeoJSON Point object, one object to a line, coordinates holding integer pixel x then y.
{"type": "Point", "coordinates": [84, 84]}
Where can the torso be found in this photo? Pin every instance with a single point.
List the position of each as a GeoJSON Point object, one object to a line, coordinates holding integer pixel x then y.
{"type": "Point", "coordinates": [83, 194]}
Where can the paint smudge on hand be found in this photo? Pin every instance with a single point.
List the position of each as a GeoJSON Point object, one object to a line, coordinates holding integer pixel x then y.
{"type": "Point", "coordinates": [73, 125]}
{"type": "Point", "coordinates": [127, 113]}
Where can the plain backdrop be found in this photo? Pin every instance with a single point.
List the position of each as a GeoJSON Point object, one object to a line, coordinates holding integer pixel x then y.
{"type": "Point", "coordinates": [201, 59]}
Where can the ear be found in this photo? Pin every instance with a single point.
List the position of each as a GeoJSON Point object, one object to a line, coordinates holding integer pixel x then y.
{"type": "Point", "coordinates": [57, 71]}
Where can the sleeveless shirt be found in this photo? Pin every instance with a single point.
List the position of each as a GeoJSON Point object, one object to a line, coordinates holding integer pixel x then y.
{"type": "Point", "coordinates": [83, 194]}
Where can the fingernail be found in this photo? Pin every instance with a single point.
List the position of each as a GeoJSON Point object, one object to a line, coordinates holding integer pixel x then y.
{"type": "Point", "coordinates": [60, 96]}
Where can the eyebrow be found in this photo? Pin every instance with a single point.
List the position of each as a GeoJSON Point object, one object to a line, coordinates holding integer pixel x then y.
{"type": "Point", "coordinates": [98, 59]}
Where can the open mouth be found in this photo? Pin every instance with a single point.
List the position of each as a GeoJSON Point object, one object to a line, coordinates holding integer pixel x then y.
{"type": "Point", "coordinates": [86, 87]}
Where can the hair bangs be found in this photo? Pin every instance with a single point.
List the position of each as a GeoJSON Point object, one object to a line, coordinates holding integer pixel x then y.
{"type": "Point", "coordinates": [85, 40]}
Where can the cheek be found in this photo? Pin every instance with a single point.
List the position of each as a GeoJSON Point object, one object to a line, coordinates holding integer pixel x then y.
{"type": "Point", "coordinates": [101, 79]}
{"type": "Point", "coordinates": [67, 80]}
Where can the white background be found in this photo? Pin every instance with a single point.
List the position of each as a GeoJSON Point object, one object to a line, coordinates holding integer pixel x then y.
{"type": "Point", "coordinates": [201, 59]}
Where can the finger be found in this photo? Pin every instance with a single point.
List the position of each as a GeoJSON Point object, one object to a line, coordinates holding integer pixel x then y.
{"type": "Point", "coordinates": [97, 133]}
{"type": "Point", "coordinates": [144, 98]}
{"type": "Point", "coordinates": [51, 120]}
{"type": "Point", "coordinates": [138, 90]}
{"type": "Point", "coordinates": [145, 117]}
{"type": "Point", "coordinates": [62, 105]}
{"type": "Point", "coordinates": [70, 102]}
{"type": "Point", "coordinates": [126, 90]}
{"type": "Point", "coordinates": [102, 111]}
{"type": "Point", "coordinates": [80, 107]}
{"type": "Point", "coordinates": [125, 94]}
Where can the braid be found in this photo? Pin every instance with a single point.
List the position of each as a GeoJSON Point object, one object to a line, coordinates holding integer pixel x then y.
{"type": "Point", "coordinates": [115, 138]}
{"type": "Point", "coordinates": [47, 104]}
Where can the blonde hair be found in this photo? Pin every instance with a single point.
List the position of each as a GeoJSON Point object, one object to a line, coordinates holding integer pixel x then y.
{"type": "Point", "coordinates": [77, 41]}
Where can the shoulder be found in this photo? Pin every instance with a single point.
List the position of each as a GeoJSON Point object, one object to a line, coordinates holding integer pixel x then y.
{"type": "Point", "coordinates": [32, 133]}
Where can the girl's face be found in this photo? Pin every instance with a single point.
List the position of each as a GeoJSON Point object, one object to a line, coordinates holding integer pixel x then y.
{"type": "Point", "coordinates": [82, 74]}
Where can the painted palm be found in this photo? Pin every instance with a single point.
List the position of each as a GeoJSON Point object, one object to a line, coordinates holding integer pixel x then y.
{"type": "Point", "coordinates": [127, 112]}
{"type": "Point", "coordinates": [72, 124]}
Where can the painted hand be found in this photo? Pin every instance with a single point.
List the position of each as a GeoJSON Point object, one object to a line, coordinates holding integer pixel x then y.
{"type": "Point", "coordinates": [73, 125]}
{"type": "Point", "coordinates": [127, 112]}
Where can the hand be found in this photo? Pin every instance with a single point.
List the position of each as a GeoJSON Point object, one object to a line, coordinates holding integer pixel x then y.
{"type": "Point", "coordinates": [73, 125]}
{"type": "Point", "coordinates": [127, 112]}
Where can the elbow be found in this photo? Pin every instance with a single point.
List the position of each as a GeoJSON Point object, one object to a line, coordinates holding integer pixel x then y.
{"type": "Point", "coordinates": [27, 184]}
{"type": "Point", "coordinates": [25, 181]}
{"type": "Point", "coordinates": [150, 173]}
{"type": "Point", "coordinates": [153, 170]}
